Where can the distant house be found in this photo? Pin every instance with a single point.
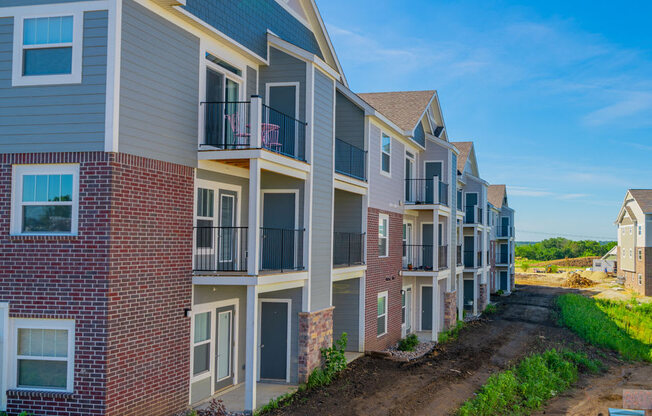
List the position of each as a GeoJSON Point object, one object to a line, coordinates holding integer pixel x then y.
{"type": "Point", "coordinates": [608, 263]}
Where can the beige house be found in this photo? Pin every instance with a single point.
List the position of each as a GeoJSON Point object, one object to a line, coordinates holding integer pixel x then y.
{"type": "Point", "coordinates": [635, 241]}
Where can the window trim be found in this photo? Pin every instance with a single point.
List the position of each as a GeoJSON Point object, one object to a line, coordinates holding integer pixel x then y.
{"type": "Point", "coordinates": [75, 76]}
{"type": "Point", "coordinates": [385, 295]}
{"type": "Point", "coordinates": [386, 237]}
{"type": "Point", "coordinates": [29, 323]}
{"type": "Point", "coordinates": [640, 279]}
{"type": "Point", "coordinates": [640, 254]}
{"type": "Point", "coordinates": [18, 172]}
{"type": "Point", "coordinates": [382, 152]}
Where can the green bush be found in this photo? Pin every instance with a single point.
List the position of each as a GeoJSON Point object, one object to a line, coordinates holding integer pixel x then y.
{"type": "Point", "coordinates": [451, 334]}
{"type": "Point", "coordinates": [408, 343]}
{"type": "Point", "coordinates": [490, 309]}
{"type": "Point", "coordinates": [334, 362]}
{"type": "Point", "coordinates": [525, 266]}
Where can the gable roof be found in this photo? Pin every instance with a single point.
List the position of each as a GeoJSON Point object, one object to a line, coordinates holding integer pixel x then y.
{"type": "Point", "coordinates": [465, 150]}
{"type": "Point", "coordinates": [496, 195]}
{"type": "Point", "coordinates": [403, 108]}
{"type": "Point", "coordinates": [643, 198]}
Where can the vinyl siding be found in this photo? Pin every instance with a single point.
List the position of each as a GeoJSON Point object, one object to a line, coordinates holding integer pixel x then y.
{"type": "Point", "coordinates": [271, 180]}
{"type": "Point", "coordinates": [349, 125]}
{"type": "Point", "coordinates": [252, 82]}
{"type": "Point", "coordinates": [56, 118]}
{"type": "Point", "coordinates": [346, 315]}
{"type": "Point", "coordinates": [386, 193]}
{"type": "Point", "coordinates": [347, 212]}
{"type": "Point", "coordinates": [285, 68]}
{"type": "Point", "coordinates": [322, 199]}
{"type": "Point", "coordinates": [12, 3]}
{"type": "Point", "coordinates": [159, 96]}
{"type": "Point", "coordinates": [243, 183]}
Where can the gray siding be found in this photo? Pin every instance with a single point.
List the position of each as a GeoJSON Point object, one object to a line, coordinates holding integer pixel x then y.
{"type": "Point", "coordinates": [55, 118]}
{"type": "Point", "coordinates": [322, 199]}
{"type": "Point", "coordinates": [386, 193]}
{"type": "Point", "coordinates": [243, 183]}
{"type": "Point", "coordinates": [271, 180]}
{"type": "Point", "coordinates": [348, 212]}
{"type": "Point", "coordinates": [159, 96]}
{"type": "Point", "coordinates": [11, 3]}
{"type": "Point", "coordinates": [346, 315]}
{"type": "Point", "coordinates": [285, 68]}
{"type": "Point", "coordinates": [349, 125]}
{"type": "Point", "coordinates": [252, 82]}
{"type": "Point", "coordinates": [295, 296]}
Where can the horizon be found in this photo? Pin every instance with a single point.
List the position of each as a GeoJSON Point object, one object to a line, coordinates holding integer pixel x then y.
{"type": "Point", "coordinates": [546, 92]}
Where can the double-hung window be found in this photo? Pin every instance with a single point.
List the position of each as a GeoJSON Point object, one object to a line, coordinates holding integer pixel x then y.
{"type": "Point", "coordinates": [640, 254]}
{"type": "Point", "coordinates": [45, 199]}
{"type": "Point", "coordinates": [640, 279]}
{"type": "Point", "coordinates": [382, 314]}
{"type": "Point", "coordinates": [47, 49]}
{"type": "Point", "coordinates": [385, 153]}
{"type": "Point", "coordinates": [383, 233]}
{"type": "Point", "coordinates": [43, 354]}
{"type": "Point", "coordinates": [201, 343]}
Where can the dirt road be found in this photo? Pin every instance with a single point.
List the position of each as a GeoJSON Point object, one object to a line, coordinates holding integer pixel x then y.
{"type": "Point", "coordinates": [440, 382]}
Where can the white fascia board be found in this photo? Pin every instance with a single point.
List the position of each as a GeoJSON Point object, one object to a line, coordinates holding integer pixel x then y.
{"type": "Point", "coordinates": [331, 49]}
{"type": "Point", "coordinates": [482, 181]}
{"type": "Point", "coordinates": [344, 90]}
{"type": "Point", "coordinates": [443, 143]}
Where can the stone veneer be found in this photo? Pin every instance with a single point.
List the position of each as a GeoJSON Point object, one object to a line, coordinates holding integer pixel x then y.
{"type": "Point", "coordinates": [315, 333]}
{"type": "Point", "coordinates": [450, 309]}
{"type": "Point", "coordinates": [482, 296]}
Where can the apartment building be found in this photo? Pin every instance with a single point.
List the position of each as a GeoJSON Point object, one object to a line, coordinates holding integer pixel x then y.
{"type": "Point", "coordinates": [634, 253]}
{"type": "Point", "coordinates": [501, 240]}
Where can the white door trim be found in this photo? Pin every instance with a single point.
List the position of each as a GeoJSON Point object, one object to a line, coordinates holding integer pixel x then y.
{"type": "Point", "coordinates": [289, 338]}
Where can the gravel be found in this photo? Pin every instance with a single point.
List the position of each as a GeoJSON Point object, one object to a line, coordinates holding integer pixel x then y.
{"type": "Point", "coordinates": [421, 349]}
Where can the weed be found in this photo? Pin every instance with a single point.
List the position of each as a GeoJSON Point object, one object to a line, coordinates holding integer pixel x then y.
{"type": "Point", "coordinates": [499, 292]}
{"type": "Point", "coordinates": [490, 309]}
{"type": "Point", "coordinates": [525, 266]}
{"type": "Point", "coordinates": [451, 334]}
{"type": "Point", "coordinates": [408, 343]}
{"type": "Point", "coordinates": [275, 403]}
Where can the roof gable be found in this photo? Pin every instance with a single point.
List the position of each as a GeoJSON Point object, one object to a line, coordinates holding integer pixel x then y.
{"type": "Point", "coordinates": [403, 108]}
{"type": "Point", "coordinates": [643, 198]}
{"type": "Point", "coordinates": [466, 158]}
{"type": "Point", "coordinates": [496, 195]}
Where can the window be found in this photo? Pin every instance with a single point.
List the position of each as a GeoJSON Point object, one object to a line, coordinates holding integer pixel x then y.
{"type": "Point", "coordinates": [383, 232]}
{"type": "Point", "coordinates": [385, 153]}
{"type": "Point", "coordinates": [630, 253]}
{"type": "Point", "coordinates": [382, 314]}
{"type": "Point", "coordinates": [201, 343]}
{"type": "Point", "coordinates": [45, 199]}
{"type": "Point", "coordinates": [47, 49]}
{"type": "Point", "coordinates": [640, 254]}
{"type": "Point", "coordinates": [640, 279]}
{"type": "Point", "coordinates": [624, 253]}
{"type": "Point", "coordinates": [640, 230]}
{"type": "Point", "coordinates": [630, 230]}
{"type": "Point", "coordinates": [43, 354]}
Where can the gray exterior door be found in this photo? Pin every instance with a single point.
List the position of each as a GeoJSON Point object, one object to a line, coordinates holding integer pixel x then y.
{"type": "Point", "coordinates": [503, 281]}
{"type": "Point", "coordinates": [431, 169]}
{"type": "Point", "coordinates": [278, 234]}
{"type": "Point", "coordinates": [468, 294]}
{"type": "Point", "coordinates": [427, 247]}
{"type": "Point", "coordinates": [469, 251]}
{"type": "Point", "coordinates": [273, 340]}
{"type": "Point", "coordinates": [426, 308]}
{"type": "Point", "coordinates": [283, 102]}
{"type": "Point", "coordinates": [224, 347]}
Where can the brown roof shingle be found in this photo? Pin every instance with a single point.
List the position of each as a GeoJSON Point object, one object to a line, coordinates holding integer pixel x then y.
{"type": "Point", "coordinates": [404, 108]}
{"type": "Point", "coordinates": [496, 195]}
{"type": "Point", "coordinates": [644, 199]}
{"type": "Point", "coordinates": [465, 150]}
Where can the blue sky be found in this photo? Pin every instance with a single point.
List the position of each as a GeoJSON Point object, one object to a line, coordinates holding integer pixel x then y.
{"type": "Point", "coordinates": [556, 95]}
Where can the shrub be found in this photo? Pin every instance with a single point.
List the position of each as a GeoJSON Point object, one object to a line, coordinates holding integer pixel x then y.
{"type": "Point", "coordinates": [525, 266]}
{"type": "Point", "coordinates": [451, 334]}
{"type": "Point", "coordinates": [499, 292]}
{"type": "Point", "coordinates": [408, 343]}
{"type": "Point", "coordinates": [490, 309]}
{"type": "Point", "coordinates": [334, 362]}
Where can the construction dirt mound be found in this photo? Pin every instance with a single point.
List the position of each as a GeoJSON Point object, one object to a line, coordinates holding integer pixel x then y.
{"type": "Point", "coordinates": [575, 280]}
{"type": "Point", "coordinates": [576, 262]}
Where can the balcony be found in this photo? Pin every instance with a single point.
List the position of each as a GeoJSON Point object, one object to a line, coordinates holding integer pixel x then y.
{"type": "Point", "coordinates": [236, 125]}
{"type": "Point", "coordinates": [420, 257]}
{"type": "Point", "coordinates": [459, 255]}
{"type": "Point", "coordinates": [443, 257]}
{"type": "Point", "coordinates": [348, 249]}
{"type": "Point", "coordinates": [473, 214]}
{"type": "Point", "coordinates": [504, 231]}
{"type": "Point", "coordinates": [470, 257]}
{"type": "Point", "coordinates": [350, 160]}
{"type": "Point", "coordinates": [281, 249]}
{"type": "Point", "coordinates": [220, 249]}
{"type": "Point", "coordinates": [502, 257]}
{"type": "Point", "coordinates": [426, 191]}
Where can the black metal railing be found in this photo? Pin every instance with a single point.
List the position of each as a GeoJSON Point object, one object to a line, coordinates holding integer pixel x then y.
{"type": "Point", "coordinates": [350, 160]}
{"type": "Point", "coordinates": [460, 261]}
{"type": "Point", "coordinates": [479, 263]}
{"type": "Point", "coordinates": [473, 214]}
{"type": "Point", "coordinates": [283, 134]}
{"type": "Point", "coordinates": [442, 261]}
{"type": "Point", "coordinates": [504, 231]}
{"type": "Point", "coordinates": [418, 257]}
{"type": "Point", "coordinates": [348, 249]}
{"type": "Point", "coordinates": [226, 124]}
{"type": "Point", "coordinates": [281, 249]}
{"type": "Point", "coordinates": [220, 249]}
{"type": "Point", "coordinates": [469, 258]}
{"type": "Point", "coordinates": [422, 191]}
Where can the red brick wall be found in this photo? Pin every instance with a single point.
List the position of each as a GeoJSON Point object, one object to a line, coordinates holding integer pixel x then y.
{"type": "Point", "coordinates": [383, 274]}
{"type": "Point", "coordinates": [315, 333]}
{"type": "Point", "coordinates": [62, 278]}
{"type": "Point", "coordinates": [150, 284]}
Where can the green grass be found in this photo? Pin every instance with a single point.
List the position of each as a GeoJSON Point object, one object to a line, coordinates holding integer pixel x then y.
{"type": "Point", "coordinates": [619, 326]}
{"type": "Point", "coordinates": [451, 334]}
{"type": "Point", "coordinates": [527, 387]}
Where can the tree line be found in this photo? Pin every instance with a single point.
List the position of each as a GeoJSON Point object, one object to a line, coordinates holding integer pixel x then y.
{"type": "Point", "coordinates": [562, 248]}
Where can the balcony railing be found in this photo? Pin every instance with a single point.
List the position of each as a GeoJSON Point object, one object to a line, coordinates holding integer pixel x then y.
{"type": "Point", "coordinates": [232, 125]}
{"type": "Point", "coordinates": [502, 258]}
{"type": "Point", "coordinates": [479, 263]}
{"type": "Point", "coordinates": [443, 257]}
{"type": "Point", "coordinates": [504, 231]}
{"type": "Point", "coordinates": [469, 257]}
{"type": "Point", "coordinates": [473, 214]}
{"type": "Point", "coordinates": [281, 249]}
{"type": "Point", "coordinates": [220, 249]}
{"type": "Point", "coordinates": [350, 160]}
{"type": "Point", "coordinates": [460, 261]}
{"type": "Point", "coordinates": [348, 249]}
{"type": "Point", "coordinates": [418, 257]}
{"type": "Point", "coordinates": [426, 191]}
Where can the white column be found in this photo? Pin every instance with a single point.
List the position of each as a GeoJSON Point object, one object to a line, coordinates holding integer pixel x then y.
{"type": "Point", "coordinates": [255, 118]}
{"type": "Point", "coordinates": [253, 232]}
{"type": "Point", "coordinates": [475, 292]}
{"type": "Point", "coordinates": [460, 291]}
{"type": "Point", "coordinates": [435, 308]}
{"type": "Point", "coordinates": [251, 366]}
{"type": "Point", "coordinates": [435, 239]}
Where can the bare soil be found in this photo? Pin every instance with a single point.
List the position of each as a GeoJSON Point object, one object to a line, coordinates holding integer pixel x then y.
{"type": "Point", "coordinates": [439, 383]}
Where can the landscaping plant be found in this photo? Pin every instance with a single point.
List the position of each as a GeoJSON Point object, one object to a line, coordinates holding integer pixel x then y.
{"type": "Point", "coordinates": [408, 343]}
{"type": "Point", "coordinates": [334, 362]}
{"type": "Point", "coordinates": [451, 334]}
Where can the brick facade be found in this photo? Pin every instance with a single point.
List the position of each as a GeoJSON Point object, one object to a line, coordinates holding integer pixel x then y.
{"type": "Point", "coordinates": [125, 279]}
{"type": "Point", "coordinates": [642, 267]}
{"type": "Point", "coordinates": [383, 274]}
{"type": "Point", "coordinates": [450, 309]}
{"type": "Point", "coordinates": [315, 333]}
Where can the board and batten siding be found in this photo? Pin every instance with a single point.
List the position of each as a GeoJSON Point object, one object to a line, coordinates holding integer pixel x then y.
{"type": "Point", "coordinates": [284, 68]}
{"type": "Point", "coordinates": [385, 193]}
{"type": "Point", "coordinates": [55, 118]}
{"type": "Point", "coordinates": [322, 194]}
{"type": "Point", "coordinates": [159, 88]}
{"type": "Point", "coordinates": [349, 126]}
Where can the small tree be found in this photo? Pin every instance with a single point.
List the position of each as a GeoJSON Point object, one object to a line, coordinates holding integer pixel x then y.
{"type": "Point", "coordinates": [525, 266]}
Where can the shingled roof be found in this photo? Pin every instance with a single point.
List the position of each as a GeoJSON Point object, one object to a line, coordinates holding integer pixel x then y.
{"type": "Point", "coordinates": [644, 199]}
{"type": "Point", "coordinates": [496, 195]}
{"type": "Point", "coordinates": [465, 150]}
{"type": "Point", "coordinates": [403, 108]}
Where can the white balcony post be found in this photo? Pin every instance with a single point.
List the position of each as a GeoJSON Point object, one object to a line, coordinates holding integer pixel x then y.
{"type": "Point", "coordinates": [435, 308]}
{"type": "Point", "coordinates": [253, 232]}
{"type": "Point", "coordinates": [460, 304]}
{"type": "Point", "coordinates": [435, 239]}
{"type": "Point", "coordinates": [435, 190]}
{"type": "Point", "coordinates": [251, 366]}
{"type": "Point", "coordinates": [255, 120]}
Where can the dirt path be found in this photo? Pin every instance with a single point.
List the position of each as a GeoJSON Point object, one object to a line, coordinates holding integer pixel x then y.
{"type": "Point", "coordinates": [440, 382]}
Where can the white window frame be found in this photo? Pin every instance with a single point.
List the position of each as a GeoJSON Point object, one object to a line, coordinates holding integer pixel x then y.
{"type": "Point", "coordinates": [640, 279]}
{"type": "Point", "coordinates": [19, 171]}
{"type": "Point", "coordinates": [382, 217]}
{"type": "Point", "coordinates": [640, 254]}
{"type": "Point", "coordinates": [631, 256]}
{"type": "Point", "coordinates": [640, 230]}
{"type": "Point", "coordinates": [75, 76]}
{"type": "Point", "coordinates": [385, 295]}
{"type": "Point", "coordinates": [209, 340]}
{"type": "Point", "coordinates": [382, 152]}
{"type": "Point", "coordinates": [26, 323]}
